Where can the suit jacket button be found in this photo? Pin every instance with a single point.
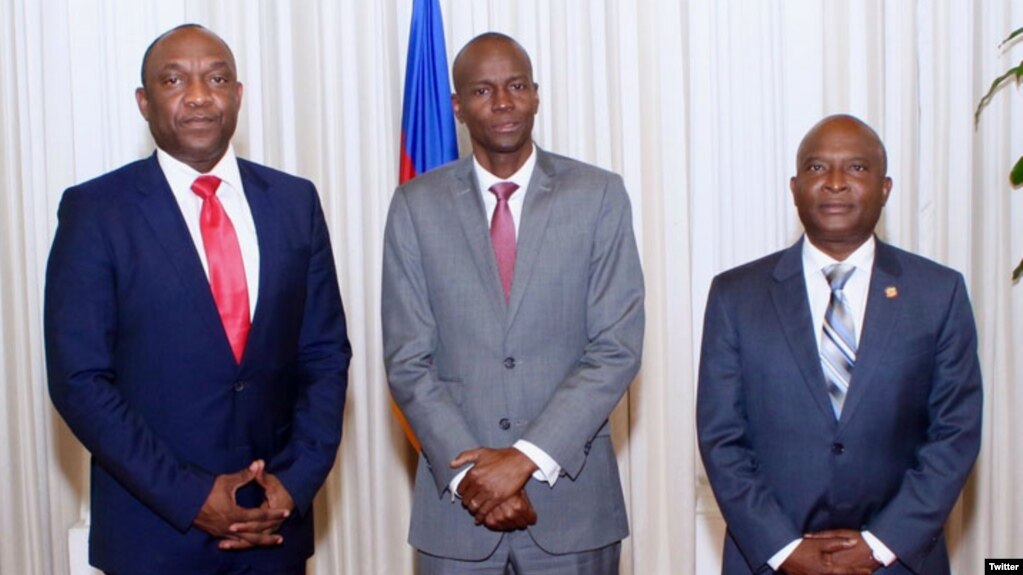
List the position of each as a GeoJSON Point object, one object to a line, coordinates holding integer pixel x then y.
{"type": "Point", "coordinates": [239, 385]}
{"type": "Point", "coordinates": [837, 448]}
{"type": "Point", "coordinates": [509, 362]}
{"type": "Point", "coordinates": [504, 423]}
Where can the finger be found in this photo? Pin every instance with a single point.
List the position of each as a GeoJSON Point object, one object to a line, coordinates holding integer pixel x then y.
{"type": "Point", "coordinates": [246, 540]}
{"type": "Point", "coordinates": [487, 506]}
{"type": "Point", "coordinates": [834, 545]}
{"type": "Point", "coordinates": [465, 457]}
{"type": "Point", "coordinates": [256, 526]}
{"type": "Point", "coordinates": [256, 515]}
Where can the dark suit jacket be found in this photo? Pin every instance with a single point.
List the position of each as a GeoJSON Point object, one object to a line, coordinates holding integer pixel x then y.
{"type": "Point", "coordinates": [140, 366]}
{"type": "Point", "coordinates": [470, 370]}
{"type": "Point", "coordinates": [778, 461]}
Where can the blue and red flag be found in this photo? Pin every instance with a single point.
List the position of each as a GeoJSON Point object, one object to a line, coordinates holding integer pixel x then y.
{"type": "Point", "coordinates": [428, 135]}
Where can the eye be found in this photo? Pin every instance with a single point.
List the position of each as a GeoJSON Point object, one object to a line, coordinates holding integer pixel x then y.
{"type": "Point", "coordinates": [171, 81]}
{"type": "Point", "coordinates": [858, 167]}
{"type": "Point", "coordinates": [518, 86]}
{"type": "Point", "coordinates": [481, 91]}
{"type": "Point", "coordinates": [219, 79]}
{"type": "Point", "coordinates": [815, 167]}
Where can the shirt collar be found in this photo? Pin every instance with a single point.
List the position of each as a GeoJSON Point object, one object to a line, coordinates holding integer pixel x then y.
{"type": "Point", "coordinates": [520, 177]}
{"type": "Point", "coordinates": [862, 258]}
{"type": "Point", "coordinates": [226, 169]}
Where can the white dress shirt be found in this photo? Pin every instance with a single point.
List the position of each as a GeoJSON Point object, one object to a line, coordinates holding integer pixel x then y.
{"type": "Point", "coordinates": [546, 468]}
{"type": "Point", "coordinates": [818, 291]}
{"type": "Point", "coordinates": [231, 194]}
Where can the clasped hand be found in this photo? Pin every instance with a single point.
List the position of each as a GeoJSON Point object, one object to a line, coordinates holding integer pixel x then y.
{"type": "Point", "coordinates": [240, 527]}
{"type": "Point", "coordinates": [493, 491]}
{"type": "Point", "coordinates": [833, 552]}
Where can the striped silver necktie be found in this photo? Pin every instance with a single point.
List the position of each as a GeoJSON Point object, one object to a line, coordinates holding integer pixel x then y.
{"type": "Point", "coordinates": [838, 343]}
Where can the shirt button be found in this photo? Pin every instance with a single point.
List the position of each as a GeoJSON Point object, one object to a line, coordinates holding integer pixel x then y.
{"type": "Point", "coordinates": [505, 424]}
{"type": "Point", "coordinates": [837, 448]}
{"type": "Point", "coordinates": [239, 385]}
{"type": "Point", "coordinates": [509, 362]}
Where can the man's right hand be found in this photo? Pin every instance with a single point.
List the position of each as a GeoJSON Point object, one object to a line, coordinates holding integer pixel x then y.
{"type": "Point", "coordinates": [512, 514]}
{"type": "Point", "coordinates": [221, 510]}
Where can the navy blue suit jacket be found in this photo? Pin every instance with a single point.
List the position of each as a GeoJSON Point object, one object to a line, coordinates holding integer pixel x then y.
{"type": "Point", "coordinates": [778, 461]}
{"type": "Point", "coordinates": [141, 369]}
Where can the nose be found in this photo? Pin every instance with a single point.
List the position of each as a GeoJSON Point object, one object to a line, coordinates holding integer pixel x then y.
{"type": "Point", "coordinates": [835, 181]}
{"type": "Point", "coordinates": [502, 100]}
{"type": "Point", "coordinates": [197, 93]}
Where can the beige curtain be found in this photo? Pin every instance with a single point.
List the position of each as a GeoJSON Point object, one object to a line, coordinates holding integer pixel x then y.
{"type": "Point", "coordinates": [700, 104]}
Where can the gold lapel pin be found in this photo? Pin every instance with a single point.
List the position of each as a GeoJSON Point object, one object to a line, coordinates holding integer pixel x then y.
{"type": "Point", "coordinates": [891, 292]}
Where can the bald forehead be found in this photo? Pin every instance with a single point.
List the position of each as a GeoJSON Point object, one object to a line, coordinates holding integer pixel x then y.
{"type": "Point", "coordinates": [187, 34]}
{"type": "Point", "coordinates": [841, 127]}
{"type": "Point", "coordinates": [485, 46]}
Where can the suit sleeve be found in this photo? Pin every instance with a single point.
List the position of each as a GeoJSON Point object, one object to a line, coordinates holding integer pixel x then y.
{"type": "Point", "coordinates": [410, 339]}
{"type": "Point", "coordinates": [80, 328]}
{"type": "Point", "coordinates": [324, 353]}
{"type": "Point", "coordinates": [754, 517]}
{"type": "Point", "coordinates": [615, 323]}
{"type": "Point", "coordinates": [911, 523]}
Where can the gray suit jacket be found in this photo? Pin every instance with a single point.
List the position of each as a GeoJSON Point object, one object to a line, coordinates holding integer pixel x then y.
{"type": "Point", "coordinates": [469, 370]}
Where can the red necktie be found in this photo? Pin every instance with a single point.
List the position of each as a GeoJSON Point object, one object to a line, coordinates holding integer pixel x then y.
{"type": "Point", "coordinates": [502, 235]}
{"type": "Point", "coordinates": [227, 271]}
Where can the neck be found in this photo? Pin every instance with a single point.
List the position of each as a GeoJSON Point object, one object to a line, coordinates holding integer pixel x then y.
{"type": "Point", "coordinates": [838, 250]}
{"type": "Point", "coordinates": [503, 165]}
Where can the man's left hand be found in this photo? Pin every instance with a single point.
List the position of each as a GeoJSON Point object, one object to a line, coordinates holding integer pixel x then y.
{"type": "Point", "coordinates": [496, 475]}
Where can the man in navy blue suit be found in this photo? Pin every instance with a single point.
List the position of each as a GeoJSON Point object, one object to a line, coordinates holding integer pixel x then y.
{"type": "Point", "coordinates": [839, 402]}
{"type": "Point", "coordinates": [195, 337]}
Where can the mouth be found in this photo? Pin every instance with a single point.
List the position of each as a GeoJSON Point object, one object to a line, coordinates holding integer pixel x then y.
{"type": "Point", "coordinates": [506, 127]}
{"type": "Point", "coordinates": [198, 121]}
{"type": "Point", "coordinates": [835, 208]}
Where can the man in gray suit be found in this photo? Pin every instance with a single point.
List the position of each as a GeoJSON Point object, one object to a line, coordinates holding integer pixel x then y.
{"type": "Point", "coordinates": [507, 348]}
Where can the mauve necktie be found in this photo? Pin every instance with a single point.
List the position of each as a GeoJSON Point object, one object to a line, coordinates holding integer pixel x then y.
{"type": "Point", "coordinates": [502, 235]}
{"type": "Point", "coordinates": [224, 258]}
{"type": "Point", "coordinates": [838, 343]}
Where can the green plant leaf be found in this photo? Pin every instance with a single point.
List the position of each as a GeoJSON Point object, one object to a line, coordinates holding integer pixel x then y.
{"type": "Point", "coordinates": [1016, 273]}
{"type": "Point", "coordinates": [1016, 71]}
{"type": "Point", "coordinates": [1016, 175]}
{"type": "Point", "coordinates": [1015, 34]}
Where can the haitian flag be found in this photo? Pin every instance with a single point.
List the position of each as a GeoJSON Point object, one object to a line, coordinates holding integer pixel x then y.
{"type": "Point", "coordinates": [427, 120]}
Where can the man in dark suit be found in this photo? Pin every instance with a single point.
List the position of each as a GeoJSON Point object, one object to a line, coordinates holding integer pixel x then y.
{"type": "Point", "coordinates": [508, 347]}
{"type": "Point", "coordinates": [195, 337]}
{"type": "Point", "coordinates": [839, 403]}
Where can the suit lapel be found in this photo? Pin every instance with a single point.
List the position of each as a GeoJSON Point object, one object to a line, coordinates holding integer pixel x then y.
{"type": "Point", "coordinates": [536, 214]}
{"type": "Point", "coordinates": [469, 209]}
{"type": "Point", "coordinates": [162, 213]}
{"type": "Point", "coordinates": [879, 322]}
{"type": "Point", "coordinates": [793, 308]}
{"type": "Point", "coordinates": [268, 237]}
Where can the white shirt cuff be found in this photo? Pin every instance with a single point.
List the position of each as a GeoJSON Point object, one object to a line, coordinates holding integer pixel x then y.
{"type": "Point", "coordinates": [456, 481]}
{"type": "Point", "coordinates": [778, 558]}
{"type": "Point", "coordinates": [880, 551]}
{"type": "Point", "coordinates": [546, 468]}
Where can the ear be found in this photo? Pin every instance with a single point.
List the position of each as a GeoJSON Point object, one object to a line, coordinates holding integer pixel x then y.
{"type": "Point", "coordinates": [792, 188]}
{"type": "Point", "coordinates": [241, 90]}
{"type": "Point", "coordinates": [457, 107]}
{"type": "Point", "coordinates": [886, 188]}
{"type": "Point", "coordinates": [143, 101]}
